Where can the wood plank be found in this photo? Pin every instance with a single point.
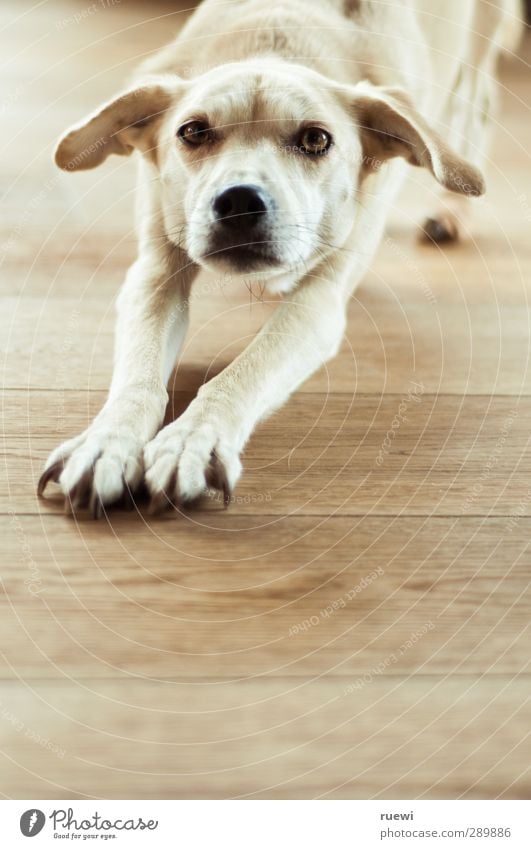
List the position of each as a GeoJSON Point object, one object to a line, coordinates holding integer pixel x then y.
{"type": "Point", "coordinates": [474, 349]}
{"type": "Point", "coordinates": [288, 596]}
{"type": "Point", "coordinates": [320, 455]}
{"type": "Point", "coordinates": [75, 240]}
{"type": "Point", "coordinates": [395, 737]}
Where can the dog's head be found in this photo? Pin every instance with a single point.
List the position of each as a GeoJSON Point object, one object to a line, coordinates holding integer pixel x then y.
{"type": "Point", "coordinates": [259, 164]}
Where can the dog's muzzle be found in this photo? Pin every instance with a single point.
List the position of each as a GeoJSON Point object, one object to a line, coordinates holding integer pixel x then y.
{"type": "Point", "coordinates": [241, 229]}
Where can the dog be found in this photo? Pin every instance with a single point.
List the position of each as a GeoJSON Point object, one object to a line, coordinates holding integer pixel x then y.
{"type": "Point", "coordinates": [271, 136]}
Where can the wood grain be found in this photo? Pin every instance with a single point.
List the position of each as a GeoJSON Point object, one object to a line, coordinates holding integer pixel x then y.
{"type": "Point", "coordinates": [334, 453]}
{"type": "Point", "coordinates": [426, 736]}
{"type": "Point", "coordinates": [268, 596]}
{"type": "Point", "coordinates": [356, 625]}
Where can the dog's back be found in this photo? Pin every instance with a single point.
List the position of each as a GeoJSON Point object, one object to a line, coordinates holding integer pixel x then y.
{"type": "Point", "coordinates": [221, 32]}
{"type": "Point", "coordinates": [408, 42]}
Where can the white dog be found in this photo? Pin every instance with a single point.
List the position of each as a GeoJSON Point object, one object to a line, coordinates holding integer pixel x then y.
{"type": "Point", "coordinates": [271, 135]}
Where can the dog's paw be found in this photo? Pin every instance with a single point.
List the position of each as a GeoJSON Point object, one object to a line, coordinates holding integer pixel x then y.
{"type": "Point", "coordinates": [95, 469]}
{"type": "Point", "coordinates": [194, 454]}
{"type": "Point", "coordinates": [441, 229]}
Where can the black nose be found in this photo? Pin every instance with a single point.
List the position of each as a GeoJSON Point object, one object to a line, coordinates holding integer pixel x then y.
{"type": "Point", "coordinates": [240, 206]}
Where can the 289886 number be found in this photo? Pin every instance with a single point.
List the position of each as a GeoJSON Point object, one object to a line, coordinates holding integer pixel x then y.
{"type": "Point", "coordinates": [490, 832]}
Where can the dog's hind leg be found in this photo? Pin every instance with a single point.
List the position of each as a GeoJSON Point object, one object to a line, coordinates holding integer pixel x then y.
{"type": "Point", "coordinates": [469, 113]}
{"type": "Point", "coordinates": [469, 120]}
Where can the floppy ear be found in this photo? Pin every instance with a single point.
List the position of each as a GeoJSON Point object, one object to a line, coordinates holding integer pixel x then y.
{"type": "Point", "coordinates": [391, 126]}
{"type": "Point", "coordinates": [117, 127]}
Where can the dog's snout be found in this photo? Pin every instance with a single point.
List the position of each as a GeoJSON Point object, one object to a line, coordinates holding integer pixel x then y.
{"type": "Point", "coordinates": [242, 227]}
{"type": "Point", "coordinates": [241, 206]}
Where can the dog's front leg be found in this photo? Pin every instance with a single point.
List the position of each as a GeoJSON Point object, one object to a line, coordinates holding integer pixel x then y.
{"type": "Point", "coordinates": [201, 449]}
{"type": "Point", "coordinates": [105, 462]}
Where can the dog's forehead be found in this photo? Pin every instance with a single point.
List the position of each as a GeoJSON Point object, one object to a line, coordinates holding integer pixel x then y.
{"type": "Point", "coordinates": [247, 92]}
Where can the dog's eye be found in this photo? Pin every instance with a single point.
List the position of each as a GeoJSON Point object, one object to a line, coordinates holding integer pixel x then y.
{"type": "Point", "coordinates": [314, 140]}
{"type": "Point", "coordinates": [195, 133]}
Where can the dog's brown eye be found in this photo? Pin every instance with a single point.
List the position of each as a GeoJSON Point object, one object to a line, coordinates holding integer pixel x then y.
{"type": "Point", "coordinates": [195, 133]}
{"type": "Point", "coordinates": [314, 140]}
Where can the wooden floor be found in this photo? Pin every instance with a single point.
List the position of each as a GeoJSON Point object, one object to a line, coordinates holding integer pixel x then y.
{"type": "Point", "coordinates": [357, 623]}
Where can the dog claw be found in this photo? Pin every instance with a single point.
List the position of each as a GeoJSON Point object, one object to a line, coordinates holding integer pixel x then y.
{"type": "Point", "coordinates": [159, 503]}
{"type": "Point", "coordinates": [127, 501]}
{"type": "Point", "coordinates": [224, 487]}
{"type": "Point", "coordinates": [96, 507]}
{"type": "Point", "coordinates": [53, 473]}
{"type": "Point", "coordinates": [439, 232]}
{"type": "Point", "coordinates": [217, 478]}
{"type": "Point", "coordinates": [79, 495]}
